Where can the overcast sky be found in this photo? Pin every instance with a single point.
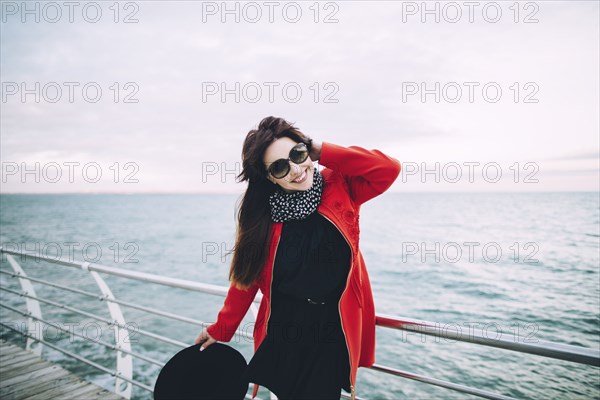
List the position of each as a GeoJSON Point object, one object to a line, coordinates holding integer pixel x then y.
{"type": "Point", "coordinates": [361, 68]}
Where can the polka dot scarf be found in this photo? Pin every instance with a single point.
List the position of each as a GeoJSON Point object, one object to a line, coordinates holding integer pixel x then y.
{"type": "Point", "coordinates": [299, 204]}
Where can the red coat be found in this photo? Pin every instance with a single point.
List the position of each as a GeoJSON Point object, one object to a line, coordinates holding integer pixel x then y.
{"type": "Point", "coordinates": [352, 176]}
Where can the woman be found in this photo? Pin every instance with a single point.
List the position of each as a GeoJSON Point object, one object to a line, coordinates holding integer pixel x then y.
{"type": "Point", "coordinates": [297, 241]}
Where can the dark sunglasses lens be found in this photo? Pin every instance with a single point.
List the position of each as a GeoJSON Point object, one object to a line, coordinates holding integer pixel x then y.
{"type": "Point", "coordinates": [280, 168]}
{"type": "Point", "coordinates": [299, 153]}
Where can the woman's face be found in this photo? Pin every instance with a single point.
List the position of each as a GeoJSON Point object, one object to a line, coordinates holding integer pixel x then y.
{"type": "Point", "coordinates": [280, 148]}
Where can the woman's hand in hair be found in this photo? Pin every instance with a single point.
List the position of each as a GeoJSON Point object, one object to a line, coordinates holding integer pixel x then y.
{"type": "Point", "coordinates": [204, 338]}
{"type": "Point", "coordinates": [315, 151]}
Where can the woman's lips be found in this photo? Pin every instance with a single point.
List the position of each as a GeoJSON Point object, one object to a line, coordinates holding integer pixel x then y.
{"type": "Point", "coordinates": [301, 178]}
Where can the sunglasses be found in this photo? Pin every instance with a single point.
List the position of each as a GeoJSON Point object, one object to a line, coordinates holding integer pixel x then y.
{"type": "Point", "coordinates": [280, 168]}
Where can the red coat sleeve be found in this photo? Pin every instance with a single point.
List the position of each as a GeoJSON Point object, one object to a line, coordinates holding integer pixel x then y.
{"type": "Point", "coordinates": [236, 305]}
{"type": "Point", "coordinates": [368, 172]}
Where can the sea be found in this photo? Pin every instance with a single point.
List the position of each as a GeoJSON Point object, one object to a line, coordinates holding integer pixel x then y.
{"type": "Point", "coordinates": [523, 267]}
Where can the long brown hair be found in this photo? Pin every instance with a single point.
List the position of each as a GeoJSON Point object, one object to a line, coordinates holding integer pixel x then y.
{"type": "Point", "coordinates": [253, 217]}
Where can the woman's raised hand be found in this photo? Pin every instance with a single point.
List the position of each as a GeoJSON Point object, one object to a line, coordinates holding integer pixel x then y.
{"type": "Point", "coordinates": [315, 151]}
{"type": "Point", "coordinates": [204, 338]}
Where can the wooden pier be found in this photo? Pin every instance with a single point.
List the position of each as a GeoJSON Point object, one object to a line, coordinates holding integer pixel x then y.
{"type": "Point", "coordinates": [23, 375]}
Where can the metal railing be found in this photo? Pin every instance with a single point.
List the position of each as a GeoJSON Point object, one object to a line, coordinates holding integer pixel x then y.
{"type": "Point", "coordinates": [124, 354]}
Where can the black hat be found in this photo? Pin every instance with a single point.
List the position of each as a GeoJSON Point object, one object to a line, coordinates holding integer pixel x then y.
{"type": "Point", "coordinates": [214, 373]}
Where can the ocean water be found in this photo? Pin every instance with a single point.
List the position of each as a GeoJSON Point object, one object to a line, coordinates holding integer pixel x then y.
{"type": "Point", "coordinates": [523, 266]}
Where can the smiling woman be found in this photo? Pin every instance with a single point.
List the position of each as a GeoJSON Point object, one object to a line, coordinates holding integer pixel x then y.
{"type": "Point", "coordinates": [297, 241]}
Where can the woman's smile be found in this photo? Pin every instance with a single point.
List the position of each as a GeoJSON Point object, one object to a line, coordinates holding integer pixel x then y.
{"type": "Point", "coordinates": [301, 178]}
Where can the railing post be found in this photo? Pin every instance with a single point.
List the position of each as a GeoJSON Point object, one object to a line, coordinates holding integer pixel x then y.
{"type": "Point", "coordinates": [124, 360]}
{"type": "Point", "coordinates": [33, 308]}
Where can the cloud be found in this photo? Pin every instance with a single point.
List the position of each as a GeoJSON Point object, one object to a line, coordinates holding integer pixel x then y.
{"type": "Point", "coordinates": [584, 155]}
{"type": "Point", "coordinates": [360, 63]}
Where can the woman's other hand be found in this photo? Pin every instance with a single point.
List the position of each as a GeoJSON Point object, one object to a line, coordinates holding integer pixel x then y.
{"type": "Point", "coordinates": [204, 338]}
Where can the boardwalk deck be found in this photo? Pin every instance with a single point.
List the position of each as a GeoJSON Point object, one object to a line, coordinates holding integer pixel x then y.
{"type": "Point", "coordinates": [23, 375]}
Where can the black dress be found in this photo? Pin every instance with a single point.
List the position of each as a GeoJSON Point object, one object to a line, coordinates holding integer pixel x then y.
{"type": "Point", "coordinates": [304, 354]}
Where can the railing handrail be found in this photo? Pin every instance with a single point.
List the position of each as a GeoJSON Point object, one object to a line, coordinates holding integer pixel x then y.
{"type": "Point", "coordinates": [545, 348]}
{"type": "Point", "coordinates": [125, 273]}
{"type": "Point", "coordinates": [578, 354]}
